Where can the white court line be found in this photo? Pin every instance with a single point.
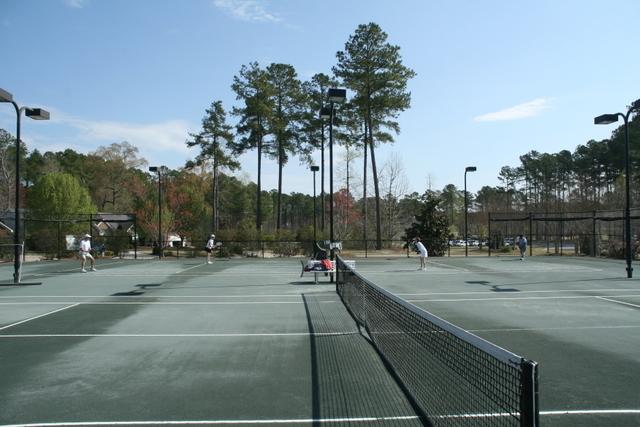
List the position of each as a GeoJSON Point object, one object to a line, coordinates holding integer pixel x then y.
{"type": "Point", "coordinates": [190, 268]}
{"type": "Point", "coordinates": [313, 420]}
{"type": "Point", "coordinates": [567, 328]}
{"type": "Point", "coordinates": [620, 302]}
{"type": "Point", "coordinates": [171, 272]}
{"type": "Point", "coordinates": [450, 267]}
{"type": "Point", "coordinates": [325, 294]}
{"type": "Point", "coordinates": [519, 299]}
{"type": "Point", "coordinates": [594, 412]}
{"type": "Point", "coordinates": [67, 271]}
{"type": "Point", "coordinates": [37, 317]}
{"type": "Point", "coordinates": [220, 335]}
{"type": "Point", "coordinates": [517, 291]}
{"type": "Point", "coordinates": [165, 303]}
{"type": "Point", "coordinates": [322, 294]}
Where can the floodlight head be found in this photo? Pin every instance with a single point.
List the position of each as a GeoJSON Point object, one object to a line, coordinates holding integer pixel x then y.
{"type": "Point", "coordinates": [470, 169]}
{"type": "Point", "coordinates": [5, 96]}
{"type": "Point", "coordinates": [153, 169]}
{"type": "Point", "coordinates": [36, 113]}
{"type": "Point", "coordinates": [315, 168]}
{"type": "Point", "coordinates": [605, 119]}
{"type": "Point", "coordinates": [325, 113]}
{"type": "Point", "coordinates": [337, 96]}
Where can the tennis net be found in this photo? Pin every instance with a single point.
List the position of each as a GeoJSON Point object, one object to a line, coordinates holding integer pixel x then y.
{"type": "Point", "coordinates": [454, 378]}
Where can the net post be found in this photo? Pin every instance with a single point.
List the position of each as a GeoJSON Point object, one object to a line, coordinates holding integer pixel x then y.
{"type": "Point", "coordinates": [529, 399]}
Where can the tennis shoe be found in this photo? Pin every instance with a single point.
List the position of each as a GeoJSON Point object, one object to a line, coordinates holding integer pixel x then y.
{"type": "Point", "coordinates": [209, 262]}
{"type": "Point", "coordinates": [93, 269]}
{"type": "Point", "coordinates": [83, 270]}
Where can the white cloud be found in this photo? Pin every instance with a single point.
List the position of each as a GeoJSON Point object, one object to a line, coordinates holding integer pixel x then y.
{"type": "Point", "coordinates": [77, 4]}
{"type": "Point", "coordinates": [162, 142]}
{"type": "Point", "coordinates": [247, 10]}
{"type": "Point", "coordinates": [164, 136]}
{"type": "Point", "coordinates": [520, 111]}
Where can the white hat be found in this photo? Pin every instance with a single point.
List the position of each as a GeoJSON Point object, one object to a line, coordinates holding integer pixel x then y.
{"type": "Point", "coordinates": [87, 236]}
{"type": "Point", "coordinates": [213, 235]}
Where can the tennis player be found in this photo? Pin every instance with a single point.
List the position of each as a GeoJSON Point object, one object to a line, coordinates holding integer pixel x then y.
{"type": "Point", "coordinates": [85, 252]}
{"type": "Point", "coordinates": [422, 251]}
{"type": "Point", "coordinates": [211, 243]}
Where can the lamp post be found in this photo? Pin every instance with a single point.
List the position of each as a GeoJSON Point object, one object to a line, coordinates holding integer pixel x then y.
{"type": "Point", "coordinates": [159, 169]}
{"type": "Point", "coordinates": [606, 119]}
{"type": "Point", "coordinates": [325, 114]}
{"type": "Point", "coordinates": [35, 114]}
{"type": "Point", "coordinates": [314, 169]}
{"type": "Point", "coordinates": [466, 235]}
{"type": "Point", "coordinates": [335, 96]}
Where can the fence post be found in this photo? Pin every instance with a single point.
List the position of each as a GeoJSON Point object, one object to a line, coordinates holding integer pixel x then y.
{"type": "Point", "coordinates": [530, 235]}
{"type": "Point", "coordinates": [594, 234]}
{"type": "Point", "coordinates": [59, 232]}
{"type": "Point", "coordinates": [561, 231]}
{"type": "Point", "coordinates": [489, 241]}
{"type": "Point", "coordinates": [135, 236]}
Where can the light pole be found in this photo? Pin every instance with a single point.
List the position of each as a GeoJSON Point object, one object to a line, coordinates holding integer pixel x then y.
{"type": "Point", "coordinates": [466, 235]}
{"type": "Point", "coordinates": [36, 114]}
{"type": "Point", "coordinates": [335, 96]}
{"type": "Point", "coordinates": [325, 114]}
{"type": "Point", "coordinates": [606, 119]}
{"type": "Point", "coordinates": [159, 169]}
{"type": "Point", "coordinates": [314, 169]}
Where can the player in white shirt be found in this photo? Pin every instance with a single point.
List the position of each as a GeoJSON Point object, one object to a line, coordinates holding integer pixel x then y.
{"type": "Point", "coordinates": [422, 251]}
{"type": "Point", "coordinates": [85, 252]}
{"type": "Point", "coordinates": [211, 243]}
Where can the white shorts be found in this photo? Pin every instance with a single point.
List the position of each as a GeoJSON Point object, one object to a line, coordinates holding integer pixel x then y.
{"type": "Point", "coordinates": [84, 255]}
{"type": "Point", "coordinates": [423, 254]}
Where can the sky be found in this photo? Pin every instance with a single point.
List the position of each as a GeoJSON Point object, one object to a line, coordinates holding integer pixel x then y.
{"type": "Point", "coordinates": [495, 79]}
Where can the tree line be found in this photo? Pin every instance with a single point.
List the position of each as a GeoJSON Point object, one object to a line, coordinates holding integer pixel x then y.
{"type": "Point", "coordinates": [277, 116]}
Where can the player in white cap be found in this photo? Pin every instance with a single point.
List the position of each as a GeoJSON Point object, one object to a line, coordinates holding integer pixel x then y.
{"type": "Point", "coordinates": [211, 243]}
{"type": "Point", "coordinates": [85, 252]}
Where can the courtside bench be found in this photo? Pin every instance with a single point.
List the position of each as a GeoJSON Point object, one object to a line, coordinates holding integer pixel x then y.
{"type": "Point", "coordinates": [306, 269]}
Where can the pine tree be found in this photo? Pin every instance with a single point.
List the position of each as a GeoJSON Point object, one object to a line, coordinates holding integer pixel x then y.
{"type": "Point", "coordinates": [214, 140]}
{"type": "Point", "coordinates": [373, 69]}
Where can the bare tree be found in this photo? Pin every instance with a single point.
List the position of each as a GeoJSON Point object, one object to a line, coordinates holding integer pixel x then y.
{"type": "Point", "coordinates": [395, 184]}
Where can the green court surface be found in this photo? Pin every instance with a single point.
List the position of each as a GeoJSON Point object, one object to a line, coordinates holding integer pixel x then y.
{"type": "Point", "coordinates": [249, 342]}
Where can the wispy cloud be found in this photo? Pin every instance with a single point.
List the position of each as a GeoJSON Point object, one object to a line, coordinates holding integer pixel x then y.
{"type": "Point", "coordinates": [77, 4]}
{"type": "Point", "coordinates": [520, 111]}
{"type": "Point", "coordinates": [164, 136]}
{"type": "Point", "coordinates": [247, 10]}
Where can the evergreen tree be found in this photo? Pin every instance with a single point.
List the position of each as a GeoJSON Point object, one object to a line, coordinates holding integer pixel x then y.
{"type": "Point", "coordinates": [214, 139]}
{"type": "Point", "coordinates": [253, 89]}
{"type": "Point", "coordinates": [285, 120]}
{"type": "Point", "coordinates": [430, 224]}
{"type": "Point", "coordinates": [373, 69]}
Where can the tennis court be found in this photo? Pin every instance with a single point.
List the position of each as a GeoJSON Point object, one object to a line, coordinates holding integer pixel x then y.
{"type": "Point", "coordinates": [250, 342]}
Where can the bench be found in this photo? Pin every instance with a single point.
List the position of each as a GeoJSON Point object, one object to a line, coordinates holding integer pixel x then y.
{"type": "Point", "coordinates": [305, 268]}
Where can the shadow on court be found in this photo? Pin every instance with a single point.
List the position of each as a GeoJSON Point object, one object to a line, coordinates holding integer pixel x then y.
{"type": "Point", "coordinates": [348, 378]}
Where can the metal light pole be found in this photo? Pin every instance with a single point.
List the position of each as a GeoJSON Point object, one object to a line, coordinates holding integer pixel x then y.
{"type": "Point", "coordinates": [466, 235]}
{"type": "Point", "coordinates": [158, 169]}
{"type": "Point", "coordinates": [325, 114]}
{"type": "Point", "coordinates": [314, 169]}
{"type": "Point", "coordinates": [36, 114]}
{"type": "Point", "coordinates": [334, 96]}
{"type": "Point", "coordinates": [606, 119]}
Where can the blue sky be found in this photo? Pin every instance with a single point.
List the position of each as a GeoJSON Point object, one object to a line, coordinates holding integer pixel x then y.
{"type": "Point", "coordinates": [495, 79]}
